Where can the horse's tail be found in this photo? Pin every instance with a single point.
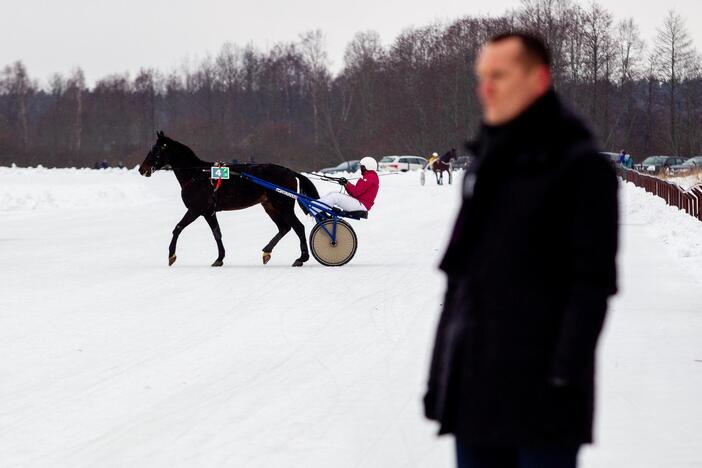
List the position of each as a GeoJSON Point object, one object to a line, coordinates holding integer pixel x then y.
{"type": "Point", "coordinates": [307, 188]}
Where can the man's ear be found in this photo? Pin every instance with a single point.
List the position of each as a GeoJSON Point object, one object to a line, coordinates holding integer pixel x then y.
{"type": "Point", "coordinates": [544, 79]}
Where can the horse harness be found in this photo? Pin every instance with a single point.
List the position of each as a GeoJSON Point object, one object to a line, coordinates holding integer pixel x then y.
{"type": "Point", "coordinates": [215, 183]}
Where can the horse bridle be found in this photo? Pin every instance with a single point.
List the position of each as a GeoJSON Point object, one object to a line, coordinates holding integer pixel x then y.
{"type": "Point", "coordinates": [157, 156]}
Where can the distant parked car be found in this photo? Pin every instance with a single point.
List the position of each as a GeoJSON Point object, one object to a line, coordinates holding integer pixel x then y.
{"type": "Point", "coordinates": [402, 163]}
{"type": "Point", "coordinates": [346, 166]}
{"type": "Point", "coordinates": [462, 162]}
{"type": "Point", "coordinates": [657, 164]}
{"type": "Point", "coordinates": [611, 157]}
{"type": "Point", "coordinates": [691, 165]}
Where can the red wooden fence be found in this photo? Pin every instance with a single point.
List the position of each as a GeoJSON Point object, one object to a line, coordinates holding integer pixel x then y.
{"type": "Point", "coordinates": [689, 201]}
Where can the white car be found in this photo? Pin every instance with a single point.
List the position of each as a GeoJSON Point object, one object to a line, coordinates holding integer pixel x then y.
{"type": "Point", "coordinates": [402, 163]}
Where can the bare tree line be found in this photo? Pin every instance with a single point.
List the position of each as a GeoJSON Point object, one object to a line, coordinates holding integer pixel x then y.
{"type": "Point", "coordinates": [415, 96]}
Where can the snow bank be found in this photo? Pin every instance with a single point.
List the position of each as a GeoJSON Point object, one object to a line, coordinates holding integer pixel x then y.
{"type": "Point", "coordinates": [679, 232]}
{"type": "Point", "coordinates": [39, 189]}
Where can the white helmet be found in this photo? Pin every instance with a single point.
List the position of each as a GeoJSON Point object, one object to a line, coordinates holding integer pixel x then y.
{"type": "Point", "coordinates": [369, 163]}
{"type": "Point", "coordinates": [436, 155]}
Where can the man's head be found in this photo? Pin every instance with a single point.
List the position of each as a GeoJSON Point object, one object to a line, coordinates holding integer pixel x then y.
{"type": "Point", "coordinates": [513, 71]}
{"type": "Point", "coordinates": [368, 164]}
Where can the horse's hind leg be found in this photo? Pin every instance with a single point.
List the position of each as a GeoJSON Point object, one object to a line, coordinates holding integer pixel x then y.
{"type": "Point", "coordinates": [189, 217]}
{"type": "Point", "coordinates": [283, 228]}
{"type": "Point", "coordinates": [299, 229]}
{"type": "Point", "coordinates": [211, 219]}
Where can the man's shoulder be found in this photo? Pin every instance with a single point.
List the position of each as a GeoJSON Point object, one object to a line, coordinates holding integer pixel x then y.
{"type": "Point", "coordinates": [571, 135]}
{"type": "Point", "coordinates": [583, 160]}
{"type": "Point", "coordinates": [576, 143]}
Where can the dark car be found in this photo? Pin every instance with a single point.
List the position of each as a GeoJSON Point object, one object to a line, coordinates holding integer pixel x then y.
{"type": "Point", "coordinates": [693, 164]}
{"type": "Point", "coordinates": [461, 162]}
{"type": "Point", "coordinates": [611, 157]}
{"type": "Point", "coordinates": [346, 166]}
{"type": "Point", "coordinates": [658, 164]}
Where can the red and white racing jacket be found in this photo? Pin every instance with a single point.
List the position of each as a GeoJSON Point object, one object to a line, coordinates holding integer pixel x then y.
{"type": "Point", "coordinates": [365, 189]}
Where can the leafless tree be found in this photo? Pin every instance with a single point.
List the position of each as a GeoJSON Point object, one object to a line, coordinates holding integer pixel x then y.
{"type": "Point", "coordinates": [630, 48]}
{"type": "Point", "coordinates": [19, 87]}
{"type": "Point", "coordinates": [315, 56]}
{"type": "Point", "coordinates": [674, 57]}
{"type": "Point", "coordinates": [417, 95]}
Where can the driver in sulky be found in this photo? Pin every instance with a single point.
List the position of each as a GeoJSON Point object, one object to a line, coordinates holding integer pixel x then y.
{"type": "Point", "coordinates": [359, 196]}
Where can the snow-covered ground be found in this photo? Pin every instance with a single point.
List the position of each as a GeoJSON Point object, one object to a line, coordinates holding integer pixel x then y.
{"type": "Point", "coordinates": [650, 358]}
{"type": "Point", "coordinates": [111, 358]}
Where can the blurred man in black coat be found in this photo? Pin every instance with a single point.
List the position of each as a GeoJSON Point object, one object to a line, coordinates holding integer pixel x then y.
{"type": "Point", "coordinates": [530, 266]}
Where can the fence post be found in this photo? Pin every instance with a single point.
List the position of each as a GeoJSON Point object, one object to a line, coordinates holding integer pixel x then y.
{"type": "Point", "coordinates": [698, 195]}
{"type": "Point", "coordinates": [688, 200]}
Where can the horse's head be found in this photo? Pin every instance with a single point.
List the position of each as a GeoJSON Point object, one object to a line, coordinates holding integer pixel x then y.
{"type": "Point", "coordinates": [157, 157]}
{"type": "Point", "coordinates": [450, 155]}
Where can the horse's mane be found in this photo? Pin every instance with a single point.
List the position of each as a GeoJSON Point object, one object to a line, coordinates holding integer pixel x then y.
{"type": "Point", "coordinates": [448, 156]}
{"type": "Point", "coordinates": [184, 151]}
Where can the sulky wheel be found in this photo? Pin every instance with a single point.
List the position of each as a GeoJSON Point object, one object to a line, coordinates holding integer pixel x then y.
{"type": "Point", "coordinates": [337, 254]}
{"type": "Point", "coordinates": [422, 177]}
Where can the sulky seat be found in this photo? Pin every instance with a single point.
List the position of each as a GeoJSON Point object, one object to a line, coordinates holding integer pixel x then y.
{"type": "Point", "coordinates": [360, 214]}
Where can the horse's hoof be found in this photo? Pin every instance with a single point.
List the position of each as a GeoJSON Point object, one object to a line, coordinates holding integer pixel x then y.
{"type": "Point", "coordinates": [298, 263]}
{"type": "Point", "coordinates": [218, 263]}
{"type": "Point", "coordinates": [171, 260]}
{"type": "Point", "coordinates": [266, 257]}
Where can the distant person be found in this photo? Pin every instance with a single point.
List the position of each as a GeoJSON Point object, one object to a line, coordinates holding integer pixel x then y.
{"type": "Point", "coordinates": [104, 164]}
{"type": "Point", "coordinates": [120, 165]}
{"type": "Point", "coordinates": [361, 196]}
{"type": "Point", "coordinates": [530, 265]}
{"type": "Point", "coordinates": [628, 161]}
{"type": "Point", "coordinates": [622, 157]}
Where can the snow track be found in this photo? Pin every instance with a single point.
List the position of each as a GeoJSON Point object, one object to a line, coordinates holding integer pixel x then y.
{"type": "Point", "coordinates": [111, 358]}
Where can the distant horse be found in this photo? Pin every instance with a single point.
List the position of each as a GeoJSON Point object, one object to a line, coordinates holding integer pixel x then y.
{"type": "Point", "coordinates": [443, 164]}
{"type": "Point", "coordinates": [201, 198]}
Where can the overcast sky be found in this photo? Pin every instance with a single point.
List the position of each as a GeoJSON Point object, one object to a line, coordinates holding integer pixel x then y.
{"type": "Point", "coordinates": [114, 36]}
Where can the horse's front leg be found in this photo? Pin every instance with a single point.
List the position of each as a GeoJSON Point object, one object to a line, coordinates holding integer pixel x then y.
{"type": "Point", "coordinates": [211, 219]}
{"type": "Point", "coordinates": [189, 217]}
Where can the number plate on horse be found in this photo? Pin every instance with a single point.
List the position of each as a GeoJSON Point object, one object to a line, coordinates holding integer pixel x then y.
{"type": "Point", "coordinates": [219, 173]}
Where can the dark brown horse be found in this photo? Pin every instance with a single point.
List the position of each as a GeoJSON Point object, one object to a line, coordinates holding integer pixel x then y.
{"type": "Point", "coordinates": [201, 198]}
{"type": "Point", "coordinates": [443, 164]}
